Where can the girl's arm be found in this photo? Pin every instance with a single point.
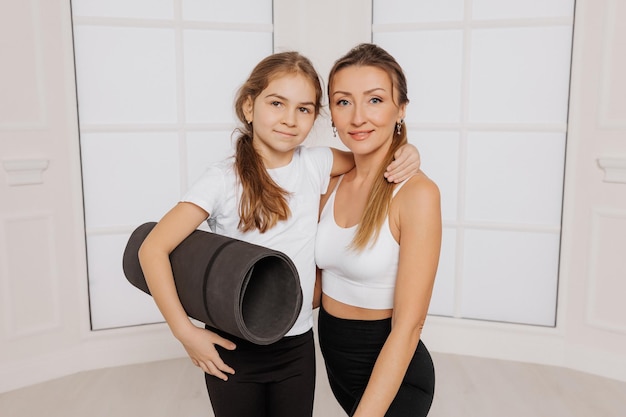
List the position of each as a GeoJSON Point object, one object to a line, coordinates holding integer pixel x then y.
{"type": "Point", "coordinates": [154, 253]}
{"type": "Point", "coordinates": [406, 162]}
{"type": "Point", "coordinates": [418, 223]}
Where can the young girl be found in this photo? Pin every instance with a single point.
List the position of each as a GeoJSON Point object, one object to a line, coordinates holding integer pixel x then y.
{"type": "Point", "coordinates": [268, 194]}
{"type": "Point", "coordinates": [378, 247]}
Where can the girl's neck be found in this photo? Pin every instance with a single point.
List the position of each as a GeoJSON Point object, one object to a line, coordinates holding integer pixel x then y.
{"type": "Point", "coordinates": [272, 159]}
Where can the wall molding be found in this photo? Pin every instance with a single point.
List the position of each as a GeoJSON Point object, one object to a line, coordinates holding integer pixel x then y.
{"type": "Point", "coordinates": [520, 343]}
{"type": "Point", "coordinates": [14, 228]}
{"type": "Point", "coordinates": [39, 117]}
{"type": "Point", "coordinates": [614, 169]}
{"type": "Point", "coordinates": [598, 216]}
{"type": "Point", "coordinates": [607, 83]}
{"type": "Point", "coordinates": [25, 171]}
{"type": "Point", "coordinates": [94, 350]}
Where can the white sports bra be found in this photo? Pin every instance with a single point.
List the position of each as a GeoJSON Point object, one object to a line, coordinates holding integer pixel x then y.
{"type": "Point", "coordinates": [364, 278]}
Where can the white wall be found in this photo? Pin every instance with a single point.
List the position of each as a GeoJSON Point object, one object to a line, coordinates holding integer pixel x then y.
{"type": "Point", "coordinates": [45, 330]}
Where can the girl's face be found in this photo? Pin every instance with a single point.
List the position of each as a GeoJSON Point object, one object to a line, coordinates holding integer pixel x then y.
{"type": "Point", "coordinates": [282, 116]}
{"type": "Point", "coordinates": [363, 109]}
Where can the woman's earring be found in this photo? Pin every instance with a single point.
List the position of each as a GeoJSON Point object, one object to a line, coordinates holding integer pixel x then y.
{"type": "Point", "coordinates": [399, 127]}
{"type": "Point", "coordinates": [334, 129]}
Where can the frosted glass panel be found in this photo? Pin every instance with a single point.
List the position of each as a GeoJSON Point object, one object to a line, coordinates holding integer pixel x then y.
{"type": "Point", "coordinates": [129, 178]}
{"type": "Point", "coordinates": [442, 301]}
{"type": "Point", "coordinates": [439, 153]}
{"type": "Point", "coordinates": [148, 9]}
{"type": "Point", "coordinates": [515, 9]}
{"type": "Point", "coordinates": [204, 148]}
{"type": "Point", "coordinates": [114, 302]}
{"type": "Point", "coordinates": [215, 69]}
{"type": "Point", "coordinates": [520, 75]}
{"type": "Point", "coordinates": [515, 177]}
{"type": "Point", "coordinates": [144, 69]}
{"type": "Point", "coordinates": [510, 276]}
{"type": "Point", "coordinates": [432, 62]}
{"type": "Point", "coordinates": [125, 75]}
{"type": "Point", "coordinates": [248, 11]}
{"type": "Point", "coordinates": [489, 82]}
{"type": "Point", "coordinates": [402, 11]}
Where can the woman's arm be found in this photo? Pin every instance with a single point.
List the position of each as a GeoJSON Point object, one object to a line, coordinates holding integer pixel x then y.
{"type": "Point", "coordinates": [407, 162]}
{"type": "Point", "coordinates": [416, 220]}
{"type": "Point", "coordinates": [154, 253]}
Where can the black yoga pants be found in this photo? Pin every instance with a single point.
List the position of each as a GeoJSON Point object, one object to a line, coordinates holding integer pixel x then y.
{"type": "Point", "coordinates": [350, 349]}
{"type": "Point", "coordinates": [275, 380]}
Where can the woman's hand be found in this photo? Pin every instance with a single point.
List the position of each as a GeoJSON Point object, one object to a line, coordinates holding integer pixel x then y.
{"type": "Point", "coordinates": [200, 346]}
{"type": "Point", "coordinates": [406, 163]}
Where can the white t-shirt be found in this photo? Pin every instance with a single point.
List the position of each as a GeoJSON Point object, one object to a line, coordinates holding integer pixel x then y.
{"type": "Point", "coordinates": [306, 177]}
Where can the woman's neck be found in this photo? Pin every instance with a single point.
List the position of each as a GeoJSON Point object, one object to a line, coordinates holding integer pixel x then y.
{"type": "Point", "coordinates": [366, 167]}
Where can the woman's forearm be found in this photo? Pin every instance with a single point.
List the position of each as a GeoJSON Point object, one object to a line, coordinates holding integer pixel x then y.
{"type": "Point", "coordinates": [388, 373]}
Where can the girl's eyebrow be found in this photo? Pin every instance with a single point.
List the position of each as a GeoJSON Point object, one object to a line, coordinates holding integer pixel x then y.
{"type": "Point", "coordinates": [278, 96]}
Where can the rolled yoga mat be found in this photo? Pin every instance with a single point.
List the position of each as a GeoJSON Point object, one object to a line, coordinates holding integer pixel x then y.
{"type": "Point", "coordinates": [247, 290]}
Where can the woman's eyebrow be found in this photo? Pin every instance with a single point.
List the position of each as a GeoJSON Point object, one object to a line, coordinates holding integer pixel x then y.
{"type": "Point", "coordinates": [364, 92]}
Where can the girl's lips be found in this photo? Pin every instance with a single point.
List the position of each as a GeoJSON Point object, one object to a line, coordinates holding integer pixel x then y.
{"type": "Point", "coordinates": [285, 133]}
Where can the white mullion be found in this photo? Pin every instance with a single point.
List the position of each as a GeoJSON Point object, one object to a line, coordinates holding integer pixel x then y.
{"type": "Point", "coordinates": [473, 24]}
{"type": "Point", "coordinates": [180, 93]}
{"type": "Point", "coordinates": [462, 164]}
{"type": "Point", "coordinates": [176, 22]}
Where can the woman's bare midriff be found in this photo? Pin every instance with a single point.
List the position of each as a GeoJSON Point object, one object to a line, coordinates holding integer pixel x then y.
{"type": "Point", "coordinates": [346, 311]}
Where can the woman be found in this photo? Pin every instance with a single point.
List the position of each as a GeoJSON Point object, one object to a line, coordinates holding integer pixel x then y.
{"type": "Point", "coordinates": [378, 248]}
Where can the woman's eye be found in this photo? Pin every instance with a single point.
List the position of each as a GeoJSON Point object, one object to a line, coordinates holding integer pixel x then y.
{"type": "Point", "coordinates": [342, 102]}
{"type": "Point", "coordinates": [375, 100]}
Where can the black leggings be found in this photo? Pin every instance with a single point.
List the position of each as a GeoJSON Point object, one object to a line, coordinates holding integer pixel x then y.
{"type": "Point", "coordinates": [275, 380]}
{"type": "Point", "coordinates": [350, 349]}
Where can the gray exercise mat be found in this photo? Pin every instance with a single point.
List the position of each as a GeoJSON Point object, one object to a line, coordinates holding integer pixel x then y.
{"type": "Point", "coordinates": [247, 290]}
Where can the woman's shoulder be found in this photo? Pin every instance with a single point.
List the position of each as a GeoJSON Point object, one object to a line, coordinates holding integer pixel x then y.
{"type": "Point", "coordinates": [418, 189]}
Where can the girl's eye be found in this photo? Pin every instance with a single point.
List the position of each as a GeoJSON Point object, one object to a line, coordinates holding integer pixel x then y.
{"type": "Point", "coordinates": [305, 110]}
{"type": "Point", "coordinates": [342, 102]}
{"type": "Point", "coordinates": [276, 103]}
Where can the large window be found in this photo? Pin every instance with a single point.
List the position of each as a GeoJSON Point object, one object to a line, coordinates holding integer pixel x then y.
{"type": "Point", "coordinates": [489, 84]}
{"type": "Point", "coordinates": [156, 82]}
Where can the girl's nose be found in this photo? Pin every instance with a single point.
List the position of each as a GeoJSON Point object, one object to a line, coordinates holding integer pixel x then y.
{"type": "Point", "coordinates": [289, 118]}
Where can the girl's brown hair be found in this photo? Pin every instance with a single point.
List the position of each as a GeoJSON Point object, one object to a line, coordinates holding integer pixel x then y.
{"type": "Point", "coordinates": [263, 202]}
{"type": "Point", "coordinates": [377, 207]}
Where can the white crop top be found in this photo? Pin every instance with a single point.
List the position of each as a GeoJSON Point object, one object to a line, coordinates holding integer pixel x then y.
{"type": "Point", "coordinates": [365, 278]}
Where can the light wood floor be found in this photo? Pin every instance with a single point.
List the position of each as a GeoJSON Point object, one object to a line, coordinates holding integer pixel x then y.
{"type": "Point", "coordinates": [466, 387]}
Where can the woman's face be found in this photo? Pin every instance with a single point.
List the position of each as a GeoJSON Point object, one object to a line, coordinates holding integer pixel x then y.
{"type": "Point", "coordinates": [363, 108]}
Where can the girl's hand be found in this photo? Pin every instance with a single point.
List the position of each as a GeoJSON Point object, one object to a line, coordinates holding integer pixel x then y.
{"type": "Point", "coordinates": [200, 346]}
{"type": "Point", "coordinates": [405, 164]}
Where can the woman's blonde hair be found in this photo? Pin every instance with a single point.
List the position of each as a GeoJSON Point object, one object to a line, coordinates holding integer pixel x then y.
{"type": "Point", "coordinates": [377, 207]}
{"type": "Point", "coordinates": [263, 202]}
